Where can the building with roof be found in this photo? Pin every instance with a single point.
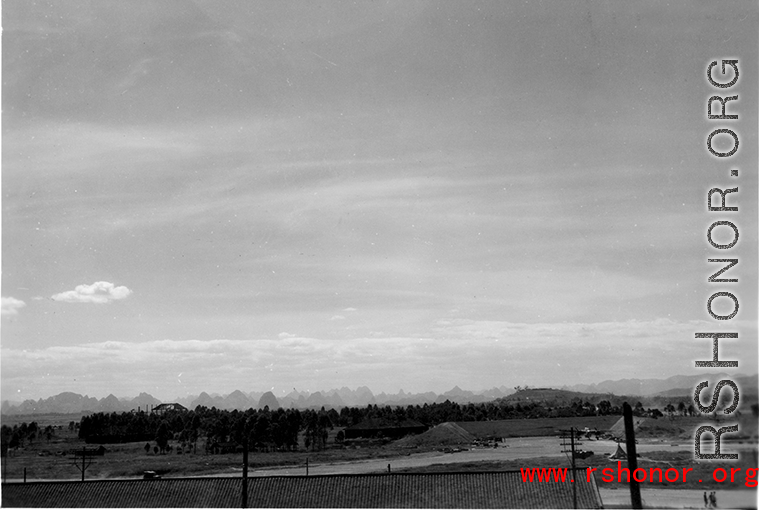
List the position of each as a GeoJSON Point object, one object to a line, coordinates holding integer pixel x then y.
{"type": "Point", "coordinates": [165, 408]}
{"type": "Point", "coordinates": [502, 489]}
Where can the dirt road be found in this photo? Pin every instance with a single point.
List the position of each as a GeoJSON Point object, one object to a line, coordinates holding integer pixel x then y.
{"type": "Point", "coordinates": [512, 449]}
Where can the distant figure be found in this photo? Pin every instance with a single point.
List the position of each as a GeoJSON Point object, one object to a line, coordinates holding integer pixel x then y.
{"type": "Point", "coordinates": [713, 499]}
{"type": "Point", "coordinates": [388, 468]}
{"type": "Point", "coordinates": [706, 501]}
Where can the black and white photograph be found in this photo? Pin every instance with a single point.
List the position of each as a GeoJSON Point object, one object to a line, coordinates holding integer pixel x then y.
{"type": "Point", "coordinates": [380, 254]}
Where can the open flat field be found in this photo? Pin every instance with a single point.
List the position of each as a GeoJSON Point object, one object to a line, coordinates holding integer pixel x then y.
{"type": "Point", "coordinates": [666, 428]}
{"type": "Point", "coordinates": [53, 461]}
{"type": "Point", "coordinates": [536, 427]}
{"type": "Point", "coordinates": [43, 420]}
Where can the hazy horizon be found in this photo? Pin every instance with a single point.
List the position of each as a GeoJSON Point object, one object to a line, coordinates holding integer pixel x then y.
{"type": "Point", "coordinates": [284, 392]}
{"type": "Point", "coordinates": [393, 194]}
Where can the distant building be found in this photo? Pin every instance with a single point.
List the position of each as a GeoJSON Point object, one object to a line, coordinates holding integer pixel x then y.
{"type": "Point", "coordinates": [502, 489]}
{"type": "Point", "coordinates": [164, 408]}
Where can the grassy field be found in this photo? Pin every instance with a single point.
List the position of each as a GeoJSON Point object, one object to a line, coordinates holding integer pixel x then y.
{"type": "Point", "coordinates": [701, 470]}
{"type": "Point", "coordinates": [43, 420]}
{"type": "Point", "coordinates": [677, 427]}
{"type": "Point", "coordinates": [683, 427]}
{"type": "Point", "coordinates": [45, 460]}
{"type": "Point", "coordinates": [536, 427]}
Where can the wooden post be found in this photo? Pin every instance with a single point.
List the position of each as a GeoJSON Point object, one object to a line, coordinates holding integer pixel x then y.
{"type": "Point", "coordinates": [84, 454]}
{"type": "Point", "coordinates": [24, 475]}
{"type": "Point", "coordinates": [574, 485]}
{"type": "Point", "coordinates": [245, 470]}
{"type": "Point", "coordinates": [632, 456]}
{"type": "Point", "coordinates": [306, 466]}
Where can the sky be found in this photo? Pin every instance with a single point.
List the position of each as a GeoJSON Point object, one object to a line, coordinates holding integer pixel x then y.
{"type": "Point", "coordinates": [398, 194]}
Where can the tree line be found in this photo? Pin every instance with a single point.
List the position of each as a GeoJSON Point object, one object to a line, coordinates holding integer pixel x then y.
{"type": "Point", "coordinates": [22, 434]}
{"type": "Point", "coordinates": [289, 429]}
{"type": "Point", "coordinates": [284, 429]}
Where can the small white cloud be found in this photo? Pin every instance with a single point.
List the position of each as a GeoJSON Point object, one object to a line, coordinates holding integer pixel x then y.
{"type": "Point", "coordinates": [349, 309]}
{"type": "Point", "coordinates": [285, 334]}
{"type": "Point", "coordinates": [98, 292]}
{"type": "Point", "coordinates": [337, 318]}
{"type": "Point", "coordinates": [11, 305]}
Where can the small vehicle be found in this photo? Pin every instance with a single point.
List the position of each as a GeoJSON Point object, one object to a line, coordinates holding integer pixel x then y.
{"type": "Point", "coordinates": [150, 475]}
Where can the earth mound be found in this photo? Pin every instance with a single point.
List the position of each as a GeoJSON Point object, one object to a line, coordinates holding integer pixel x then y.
{"type": "Point", "coordinates": [445, 434]}
{"type": "Point", "coordinates": [618, 429]}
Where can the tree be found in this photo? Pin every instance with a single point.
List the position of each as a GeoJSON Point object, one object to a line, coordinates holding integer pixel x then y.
{"type": "Point", "coordinates": [162, 436]}
{"type": "Point", "coordinates": [262, 430]}
{"type": "Point", "coordinates": [316, 430]}
{"type": "Point", "coordinates": [31, 432]}
{"type": "Point", "coordinates": [195, 430]}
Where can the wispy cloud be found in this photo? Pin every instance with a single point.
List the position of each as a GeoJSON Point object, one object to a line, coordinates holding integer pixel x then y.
{"type": "Point", "coordinates": [474, 354]}
{"type": "Point", "coordinates": [11, 305]}
{"type": "Point", "coordinates": [98, 293]}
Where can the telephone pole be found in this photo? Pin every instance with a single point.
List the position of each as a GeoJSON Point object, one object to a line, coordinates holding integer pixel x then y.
{"type": "Point", "coordinates": [85, 461]}
{"type": "Point", "coordinates": [245, 470]}
{"type": "Point", "coordinates": [632, 455]}
{"type": "Point", "coordinates": [572, 452]}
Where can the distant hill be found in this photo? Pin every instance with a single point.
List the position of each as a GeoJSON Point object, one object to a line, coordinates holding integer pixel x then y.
{"type": "Point", "coordinates": [68, 402]}
{"type": "Point", "coordinates": [748, 386]}
{"type": "Point", "coordinates": [237, 400]}
{"type": "Point", "coordinates": [650, 392]}
{"type": "Point", "coordinates": [644, 387]}
{"type": "Point", "coordinates": [550, 396]}
{"type": "Point", "coordinates": [268, 400]}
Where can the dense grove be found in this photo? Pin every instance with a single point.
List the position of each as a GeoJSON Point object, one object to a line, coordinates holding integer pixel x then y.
{"type": "Point", "coordinates": [20, 435]}
{"type": "Point", "coordinates": [279, 430]}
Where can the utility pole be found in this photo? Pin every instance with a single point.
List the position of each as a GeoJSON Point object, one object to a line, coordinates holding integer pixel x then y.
{"type": "Point", "coordinates": [632, 455]}
{"type": "Point", "coordinates": [245, 469]}
{"type": "Point", "coordinates": [85, 462]}
{"type": "Point", "coordinates": [572, 453]}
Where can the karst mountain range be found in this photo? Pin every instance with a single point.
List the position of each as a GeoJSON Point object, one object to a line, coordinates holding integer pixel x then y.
{"type": "Point", "coordinates": [69, 402]}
